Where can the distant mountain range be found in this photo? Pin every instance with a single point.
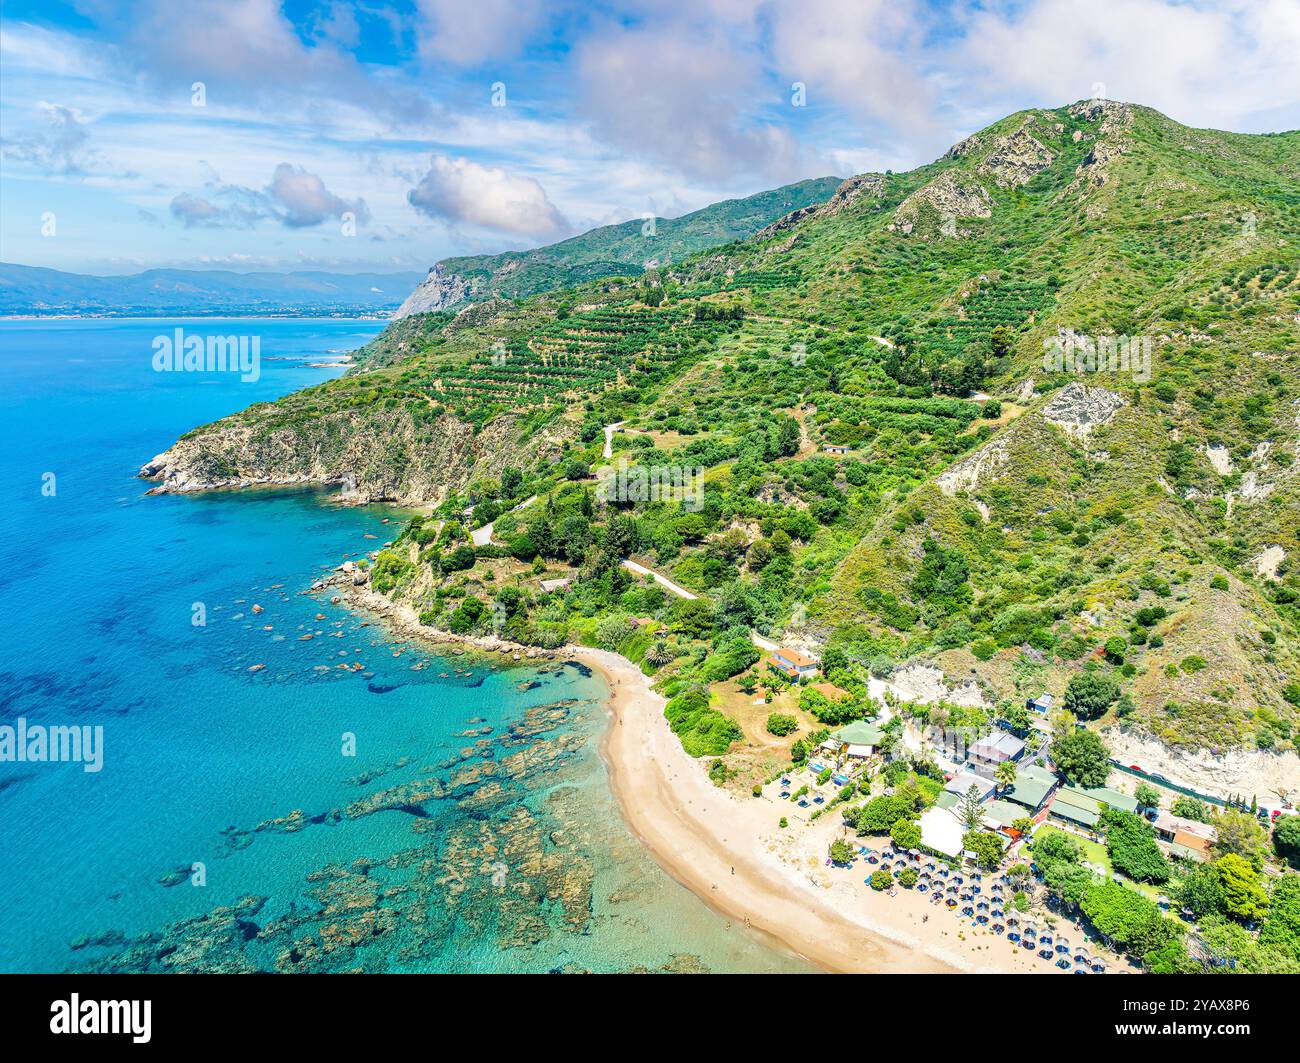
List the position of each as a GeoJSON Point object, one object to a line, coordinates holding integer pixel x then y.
{"type": "Point", "coordinates": [40, 291]}
{"type": "Point", "coordinates": [625, 249]}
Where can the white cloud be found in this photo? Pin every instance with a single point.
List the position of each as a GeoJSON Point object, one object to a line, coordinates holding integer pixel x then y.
{"type": "Point", "coordinates": [1226, 64]}
{"type": "Point", "coordinates": [295, 197]}
{"type": "Point", "coordinates": [463, 192]}
{"type": "Point", "coordinates": [679, 95]}
{"type": "Point", "coordinates": [469, 32]}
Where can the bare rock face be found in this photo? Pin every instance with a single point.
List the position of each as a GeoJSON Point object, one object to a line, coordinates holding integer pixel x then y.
{"type": "Point", "coordinates": [967, 473]}
{"type": "Point", "coordinates": [1112, 141]}
{"type": "Point", "coordinates": [1017, 159]}
{"type": "Point", "coordinates": [437, 291]}
{"type": "Point", "coordinates": [1078, 409]}
{"type": "Point", "coordinates": [948, 198]}
{"type": "Point", "coordinates": [870, 184]}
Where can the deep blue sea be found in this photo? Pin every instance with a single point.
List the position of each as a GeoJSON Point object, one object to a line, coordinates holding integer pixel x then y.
{"type": "Point", "coordinates": [229, 828]}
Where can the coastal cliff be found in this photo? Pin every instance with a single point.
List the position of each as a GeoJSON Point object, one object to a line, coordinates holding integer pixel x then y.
{"type": "Point", "coordinates": [375, 455]}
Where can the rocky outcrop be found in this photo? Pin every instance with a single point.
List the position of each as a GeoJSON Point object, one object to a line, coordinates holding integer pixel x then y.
{"type": "Point", "coordinates": [374, 455]}
{"type": "Point", "coordinates": [869, 184]}
{"type": "Point", "coordinates": [438, 291]}
{"type": "Point", "coordinates": [1078, 409]}
{"type": "Point", "coordinates": [949, 198]}
{"type": "Point", "coordinates": [1017, 159]}
{"type": "Point", "coordinates": [967, 473]}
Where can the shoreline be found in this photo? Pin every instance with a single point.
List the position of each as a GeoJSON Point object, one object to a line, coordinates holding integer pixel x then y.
{"type": "Point", "coordinates": [727, 851]}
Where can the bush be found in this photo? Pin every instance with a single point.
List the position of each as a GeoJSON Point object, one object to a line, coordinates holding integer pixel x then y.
{"type": "Point", "coordinates": [881, 880]}
{"type": "Point", "coordinates": [1089, 694]}
{"type": "Point", "coordinates": [704, 732]}
{"type": "Point", "coordinates": [781, 725]}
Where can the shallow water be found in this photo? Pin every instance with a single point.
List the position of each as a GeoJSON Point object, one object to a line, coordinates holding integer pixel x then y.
{"type": "Point", "coordinates": [222, 780]}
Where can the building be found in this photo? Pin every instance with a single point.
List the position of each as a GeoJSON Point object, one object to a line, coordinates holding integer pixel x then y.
{"type": "Point", "coordinates": [858, 740]}
{"type": "Point", "coordinates": [1168, 827]}
{"type": "Point", "coordinates": [835, 448]}
{"type": "Point", "coordinates": [1190, 847]}
{"type": "Point", "coordinates": [1041, 704]}
{"type": "Point", "coordinates": [942, 831]}
{"type": "Point", "coordinates": [550, 585]}
{"type": "Point", "coordinates": [1079, 806]}
{"type": "Point", "coordinates": [998, 747]}
{"type": "Point", "coordinates": [1032, 789]}
{"type": "Point", "coordinates": [792, 664]}
{"type": "Point", "coordinates": [960, 784]}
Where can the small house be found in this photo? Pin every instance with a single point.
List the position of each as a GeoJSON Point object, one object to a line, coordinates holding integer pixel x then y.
{"type": "Point", "coordinates": [859, 739]}
{"type": "Point", "coordinates": [998, 747]}
{"type": "Point", "coordinates": [1042, 704]}
{"type": "Point", "coordinates": [792, 664]}
{"type": "Point", "coordinates": [835, 448]}
{"type": "Point", "coordinates": [549, 586]}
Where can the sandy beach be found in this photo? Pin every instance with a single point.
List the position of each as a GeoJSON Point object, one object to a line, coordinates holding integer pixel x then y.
{"type": "Point", "coordinates": [731, 851]}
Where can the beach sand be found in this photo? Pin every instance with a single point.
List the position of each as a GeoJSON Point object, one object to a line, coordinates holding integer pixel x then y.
{"type": "Point", "coordinates": [733, 854]}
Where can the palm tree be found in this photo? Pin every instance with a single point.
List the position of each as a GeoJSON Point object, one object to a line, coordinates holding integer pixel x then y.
{"type": "Point", "coordinates": [1006, 773]}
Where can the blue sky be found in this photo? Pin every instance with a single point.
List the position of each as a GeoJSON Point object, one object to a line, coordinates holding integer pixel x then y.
{"type": "Point", "coordinates": [353, 136]}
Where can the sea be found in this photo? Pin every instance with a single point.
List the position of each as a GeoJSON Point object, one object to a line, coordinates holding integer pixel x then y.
{"type": "Point", "coordinates": [278, 784]}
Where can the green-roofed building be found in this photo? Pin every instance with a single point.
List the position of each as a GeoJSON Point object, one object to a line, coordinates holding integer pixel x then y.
{"type": "Point", "coordinates": [1033, 786]}
{"type": "Point", "coordinates": [1004, 813]}
{"type": "Point", "coordinates": [1083, 806]}
{"type": "Point", "coordinates": [1109, 797]}
{"type": "Point", "coordinates": [1076, 808]}
{"type": "Point", "coordinates": [860, 733]}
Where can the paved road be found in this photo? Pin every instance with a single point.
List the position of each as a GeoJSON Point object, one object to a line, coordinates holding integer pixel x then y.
{"type": "Point", "coordinates": [608, 452]}
{"type": "Point", "coordinates": [482, 536]}
{"type": "Point", "coordinates": [663, 581]}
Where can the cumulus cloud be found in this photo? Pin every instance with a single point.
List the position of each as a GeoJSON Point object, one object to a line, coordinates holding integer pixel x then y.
{"type": "Point", "coordinates": [304, 200]}
{"type": "Point", "coordinates": [684, 98]}
{"type": "Point", "coordinates": [295, 197]}
{"type": "Point", "coordinates": [462, 192]}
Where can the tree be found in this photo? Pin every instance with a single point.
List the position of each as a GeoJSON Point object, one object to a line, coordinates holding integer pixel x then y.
{"type": "Point", "coordinates": [1241, 834]}
{"type": "Point", "coordinates": [1244, 898]}
{"type": "Point", "coordinates": [1190, 808]}
{"type": "Point", "coordinates": [841, 851]}
{"type": "Point", "coordinates": [970, 809]}
{"type": "Point", "coordinates": [1201, 892]}
{"type": "Point", "coordinates": [1006, 773]}
{"type": "Point", "coordinates": [881, 880]}
{"type": "Point", "coordinates": [693, 617]}
{"type": "Point", "coordinates": [906, 834]}
{"type": "Point", "coordinates": [1082, 757]}
{"type": "Point", "coordinates": [1286, 839]}
{"type": "Point", "coordinates": [1147, 795]}
{"type": "Point", "coordinates": [1282, 930]}
{"type": "Point", "coordinates": [907, 877]}
{"type": "Point", "coordinates": [881, 813]}
{"type": "Point", "coordinates": [1131, 843]}
{"type": "Point", "coordinates": [781, 725]}
{"type": "Point", "coordinates": [1089, 694]}
{"type": "Point", "coordinates": [986, 846]}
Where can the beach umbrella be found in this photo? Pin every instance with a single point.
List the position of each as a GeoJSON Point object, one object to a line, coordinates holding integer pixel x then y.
{"type": "Point", "coordinates": [1013, 919]}
{"type": "Point", "coordinates": [1013, 937]}
{"type": "Point", "coordinates": [1063, 963]}
{"type": "Point", "coordinates": [1098, 966]}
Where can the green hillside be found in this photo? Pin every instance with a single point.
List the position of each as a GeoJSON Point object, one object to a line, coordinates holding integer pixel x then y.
{"type": "Point", "coordinates": [1012, 522]}
{"type": "Point", "coordinates": [625, 249]}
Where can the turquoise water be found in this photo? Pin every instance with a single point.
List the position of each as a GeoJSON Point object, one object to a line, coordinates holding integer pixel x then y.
{"type": "Point", "coordinates": [446, 842]}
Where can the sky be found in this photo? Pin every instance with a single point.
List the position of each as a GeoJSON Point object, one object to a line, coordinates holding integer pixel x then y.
{"type": "Point", "coordinates": [251, 134]}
